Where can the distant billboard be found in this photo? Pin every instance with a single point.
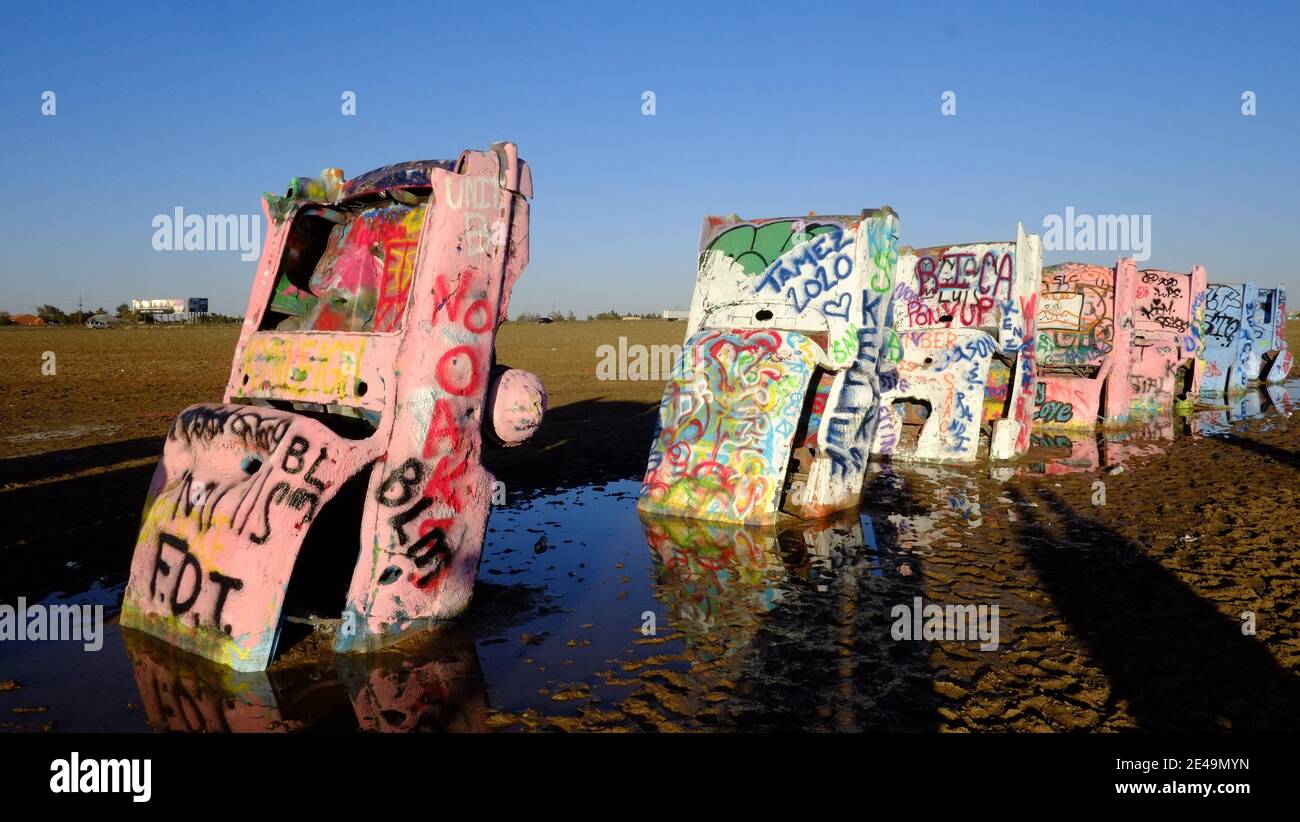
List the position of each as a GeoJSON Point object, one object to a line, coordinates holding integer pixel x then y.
{"type": "Point", "coordinates": [158, 306]}
{"type": "Point", "coordinates": [189, 305]}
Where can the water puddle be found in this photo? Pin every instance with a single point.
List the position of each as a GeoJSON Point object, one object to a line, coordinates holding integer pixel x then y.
{"type": "Point", "coordinates": [589, 616]}
{"type": "Point", "coordinates": [1064, 451]}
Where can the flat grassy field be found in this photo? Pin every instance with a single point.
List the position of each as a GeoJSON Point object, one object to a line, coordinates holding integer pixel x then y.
{"type": "Point", "coordinates": [122, 384]}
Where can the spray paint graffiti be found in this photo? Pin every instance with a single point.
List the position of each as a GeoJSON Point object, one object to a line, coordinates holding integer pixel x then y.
{"type": "Point", "coordinates": [373, 316]}
{"type": "Point", "coordinates": [1085, 332]}
{"type": "Point", "coordinates": [1169, 312]}
{"type": "Point", "coordinates": [1268, 327]}
{"type": "Point", "coordinates": [312, 368]}
{"type": "Point", "coordinates": [1229, 342]}
{"type": "Point", "coordinates": [787, 330]}
{"type": "Point", "coordinates": [725, 428]}
{"type": "Point", "coordinates": [965, 318]}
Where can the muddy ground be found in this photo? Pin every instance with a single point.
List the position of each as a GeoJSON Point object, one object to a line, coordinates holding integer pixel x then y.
{"type": "Point", "coordinates": [1114, 616]}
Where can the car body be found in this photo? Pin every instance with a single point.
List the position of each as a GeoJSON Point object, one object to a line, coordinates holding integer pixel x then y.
{"type": "Point", "coordinates": [365, 362]}
{"type": "Point", "coordinates": [774, 405]}
{"type": "Point", "coordinates": [1164, 365]}
{"type": "Point", "coordinates": [1229, 352]}
{"type": "Point", "coordinates": [964, 317]}
{"type": "Point", "coordinates": [1272, 359]}
{"type": "Point", "coordinates": [1085, 335]}
{"type": "Point", "coordinates": [104, 321]}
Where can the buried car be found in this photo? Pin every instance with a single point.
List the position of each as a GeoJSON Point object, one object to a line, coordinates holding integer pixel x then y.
{"type": "Point", "coordinates": [1085, 335]}
{"type": "Point", "coordinates": [365, 366]}
{"type": "Point", "coordinates": [1229, 354]}
{"type": "Point", "coordinates": [773, 406]}
{"type": "Point", "coordinates": [965, 321]}
{"type": "Point", "coordinates": [1165, 366]}
{"type": "Point", "coordinates": [1268, 326]}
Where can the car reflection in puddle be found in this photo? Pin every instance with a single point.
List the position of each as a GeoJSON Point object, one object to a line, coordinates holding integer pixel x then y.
{"type": "Point", "coordinates": [1063, 451]}
{"type": "Point", "coordinates": [442, 689]}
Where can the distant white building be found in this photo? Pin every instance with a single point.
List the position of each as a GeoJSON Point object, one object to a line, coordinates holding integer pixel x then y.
{"type": "Point", "coordinates": [676, 314]}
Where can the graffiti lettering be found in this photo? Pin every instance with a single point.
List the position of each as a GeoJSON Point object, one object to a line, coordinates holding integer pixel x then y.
{"type": "Point", "coordinates": [189, 563]}
{"type": "Point", "coordinates": [1050, 412]}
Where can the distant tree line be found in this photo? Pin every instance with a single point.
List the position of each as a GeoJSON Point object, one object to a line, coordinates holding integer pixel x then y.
{"type": "Point", "coordinates": [561, 316]}
{"type": "Point", "coordinates": [53, 315]}
{"type": "Point", "coordinates": [554, 316]}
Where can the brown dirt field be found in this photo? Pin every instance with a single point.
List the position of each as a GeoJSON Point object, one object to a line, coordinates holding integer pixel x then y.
{"type": "Point", "coordinates": [118, 385]}
{"type": "Point", "coordinates": [1123, 616]}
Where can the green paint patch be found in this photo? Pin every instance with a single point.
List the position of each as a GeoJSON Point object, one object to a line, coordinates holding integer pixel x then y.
{"type": "Point", "coordinates": [756, 249]}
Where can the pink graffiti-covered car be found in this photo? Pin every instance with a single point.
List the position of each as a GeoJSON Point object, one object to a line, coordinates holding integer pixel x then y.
{"type": "Point", "coordinates": [1169, 309]}
{"type": "Point", "coordinates": [365, 371]}
{"type": "Point", "coordinates": [1085, 333]}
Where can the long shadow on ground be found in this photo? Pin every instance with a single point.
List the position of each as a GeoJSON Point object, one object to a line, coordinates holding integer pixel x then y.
{"type": "Point", "coordinates": [70, 516]}
{"type": "Point", "coordinates": [1281, 455]}
{"type": "Point", "coordinates": [1179, 663]}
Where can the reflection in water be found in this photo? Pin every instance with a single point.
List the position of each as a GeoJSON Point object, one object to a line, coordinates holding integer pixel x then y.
{"type": "Point", "coordinates": [1064, 451]}
{"type": "Point", "coordinates": [1278, 397]}
{"type": "Point", "coordinates": [447, 693]}
{"type": "Point", "coordinates": [925, 507]}
{"type": "Point", "coordinates": [1256, 402]}
{"type": "Point", "coordinates": [186, 693]}
{"type": "Point", "coordinates": [788, 626]}
{"type": "Point", "coordinates": [440, 689]}
{"type": "Point", "coordinates": [1071, 451]}
{"type": "Point", "coordinates": [714, 574]}
{"type": "Point", "coordinates": [699, 562]}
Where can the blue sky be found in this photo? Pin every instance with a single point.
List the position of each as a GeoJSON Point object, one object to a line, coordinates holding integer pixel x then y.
{"type": "Point", "coordinates": [762, 109]}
